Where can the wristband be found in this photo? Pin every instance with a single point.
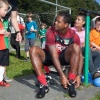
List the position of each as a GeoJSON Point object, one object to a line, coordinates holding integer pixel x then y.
{"type": "Point", "coordinates": [17, 32]}
{"type": "Point", "coordinates": [79, 75]}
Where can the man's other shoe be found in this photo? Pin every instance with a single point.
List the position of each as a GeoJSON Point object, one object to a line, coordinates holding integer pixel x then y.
{"type": "Point", "coordinates": [71, 89]}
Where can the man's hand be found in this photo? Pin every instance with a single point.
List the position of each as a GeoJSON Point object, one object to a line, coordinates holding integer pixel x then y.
{"type": "Point", "coordinates": [77, 81]}
{"type": "Point", "coordinates": [18, 37]}
{"type": "Point", "coordinates": [64, 82]}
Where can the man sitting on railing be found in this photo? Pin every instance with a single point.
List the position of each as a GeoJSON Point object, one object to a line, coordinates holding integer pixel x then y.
{"type": "Point", "coordinates": [62, 48]}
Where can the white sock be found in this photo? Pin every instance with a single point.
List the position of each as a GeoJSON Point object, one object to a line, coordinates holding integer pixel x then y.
{"type": "Point", "coordinates": [1, 73]}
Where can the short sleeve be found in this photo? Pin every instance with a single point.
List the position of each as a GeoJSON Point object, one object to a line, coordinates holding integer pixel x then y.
{"type": "Point", "coordinates": [76, 37]}
{"type": "Point", "coordinates": [50, 37]}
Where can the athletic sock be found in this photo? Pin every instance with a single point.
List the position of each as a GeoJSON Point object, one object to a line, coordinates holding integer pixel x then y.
{"type": "Point", "coordinates": [42, 79]}
{"type": "Point", "coordinates": [46, 68]}
{"type": "Point", "coordinates": [71, 76]}
{"type": "Point", "coordinates": [1, 73]}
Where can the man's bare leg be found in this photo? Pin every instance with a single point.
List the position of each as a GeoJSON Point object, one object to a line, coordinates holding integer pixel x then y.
{"type": "Point", "coordinates": [37, 57]}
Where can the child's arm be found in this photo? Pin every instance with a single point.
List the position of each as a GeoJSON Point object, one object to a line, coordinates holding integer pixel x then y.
{"type": "Point", "coordinates": [94, 46]}
{"type": "Point", "coordinates": [3, 31]}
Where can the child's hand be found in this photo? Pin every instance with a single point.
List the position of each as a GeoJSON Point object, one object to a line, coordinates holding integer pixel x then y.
{"type": "Point", "coordinates": [31, 30]}
{"type": "Point", "coordinates": [7, 34]}
{"type": "Point", "coordinates": [94, 48]}
{"type": "Point", "coordinates": [42, 36]}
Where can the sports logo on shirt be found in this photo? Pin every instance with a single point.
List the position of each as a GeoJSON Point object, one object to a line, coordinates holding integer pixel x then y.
{"type": "Point", "coordinates": [62, 43]}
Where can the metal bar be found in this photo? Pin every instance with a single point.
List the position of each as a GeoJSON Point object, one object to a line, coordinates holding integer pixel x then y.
{"type": "Point", "coordinates": [87, 38]}
{"type": "Point", "coordinates": [56, 5]}
{"type": "Point", "coordinates": [87, 46]}
{"type": "Point", "coordinates": [89, 11]}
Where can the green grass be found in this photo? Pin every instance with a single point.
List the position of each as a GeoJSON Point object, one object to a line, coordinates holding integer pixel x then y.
{"type": "Point", "coordinates": [97, 97]}
{"type": "Point", "coordinates": [18, 67]}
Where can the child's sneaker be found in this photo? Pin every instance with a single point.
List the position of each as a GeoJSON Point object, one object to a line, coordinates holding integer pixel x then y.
{"type": "Point", "coordinates": [42, 91]}
{"type": "Point", "coordinates": [71, 89]}
{"type": "Point", "coordinates": [5, 84]}
{"type": "Point", "coordinates": [6, 79]}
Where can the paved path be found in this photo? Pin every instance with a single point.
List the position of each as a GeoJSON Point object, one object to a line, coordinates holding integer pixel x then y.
{"type": "Point", "coordinates": [24, 89]}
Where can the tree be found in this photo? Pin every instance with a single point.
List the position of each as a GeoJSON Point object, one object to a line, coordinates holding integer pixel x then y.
{"type": "Point", "coordinates": [35, 6]}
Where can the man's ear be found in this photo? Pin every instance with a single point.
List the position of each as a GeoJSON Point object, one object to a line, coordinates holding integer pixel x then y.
{"type": "Point", "coordinates": [83, 22]}
{"type": "Point", "coordinates": [66, 25]}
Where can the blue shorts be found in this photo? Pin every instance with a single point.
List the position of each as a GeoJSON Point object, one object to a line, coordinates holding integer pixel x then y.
{"type": "Point", "coordinates": [4, 57]}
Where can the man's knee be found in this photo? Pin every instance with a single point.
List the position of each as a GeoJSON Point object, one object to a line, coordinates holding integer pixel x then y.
{"type": "Point", "coordinates": [33, 50]}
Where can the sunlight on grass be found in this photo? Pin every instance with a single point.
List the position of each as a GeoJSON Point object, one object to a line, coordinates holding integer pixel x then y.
{"type": "Point", "coordinates": [18, 67]}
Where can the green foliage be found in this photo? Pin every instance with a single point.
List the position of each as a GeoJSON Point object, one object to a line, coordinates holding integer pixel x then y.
{"type": "Point", "coordinates": [76, 4]}
{"type": "Point", "coordinates": [38, 7]}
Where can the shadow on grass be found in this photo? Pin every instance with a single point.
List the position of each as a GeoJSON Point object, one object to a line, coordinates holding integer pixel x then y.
{"type": "Point", "coordinates": [14, 55]}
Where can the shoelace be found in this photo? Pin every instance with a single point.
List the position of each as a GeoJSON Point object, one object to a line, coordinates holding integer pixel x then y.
{"type": "Point", "coordinates": [41, 86]}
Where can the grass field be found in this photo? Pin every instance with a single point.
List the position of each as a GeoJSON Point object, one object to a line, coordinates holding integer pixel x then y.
{"type": "Point", "coordinates": [18, 67]}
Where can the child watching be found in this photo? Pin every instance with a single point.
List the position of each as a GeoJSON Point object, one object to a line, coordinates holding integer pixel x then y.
{"type": "Point", "coordinates": [95, 35]}
{"type": "Point", "coordinates": [42, 34]}
{"type": "Point", "coordinates": [6, 27]}
{"type": "Point", "coordinates": [30, 36]}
